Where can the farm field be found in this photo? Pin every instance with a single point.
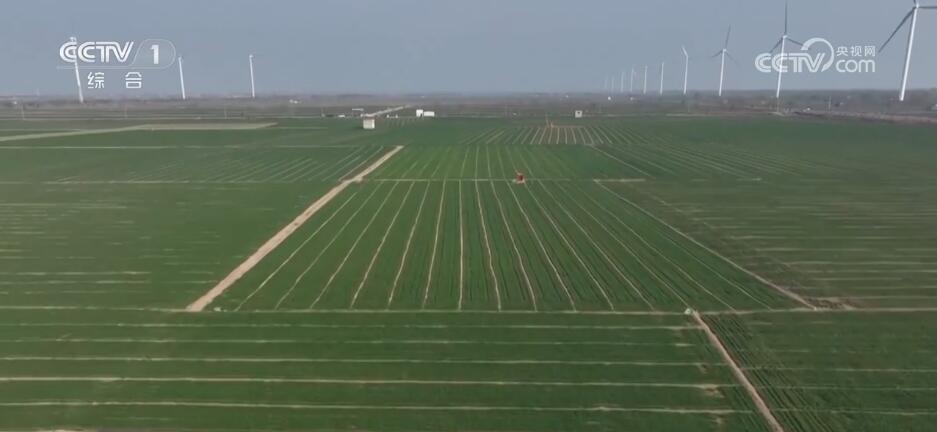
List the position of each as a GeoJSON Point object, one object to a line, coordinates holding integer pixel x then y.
{"type": "Point", "coordinates": [651, 273]}
{"type": "Point", "coordinates": [491, 245]}
{"type": "Point", "coordinates": [391, 371]}
{"type": "Point", "coordinates": [852, 245]}
{"type": "Point", "coordinates": [150, 218]}
{"type": "Point", "coordinates": [850, 371]}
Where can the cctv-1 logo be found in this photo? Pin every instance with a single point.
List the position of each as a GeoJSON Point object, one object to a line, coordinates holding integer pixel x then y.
{"type": "Point", "coordinates": [148, 54]}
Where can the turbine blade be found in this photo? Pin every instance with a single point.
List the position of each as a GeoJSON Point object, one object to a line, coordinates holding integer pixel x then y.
{"type": "Point", "coordinates": [717, 54]}
{"type": "Point", "coordinates": [778, 44]}
{"type": "Point", "coordinates": [733, 59]}
{"type": "Point", "coordinates": [903, 22]}
{"type": "Point", "coordinates": [785, 17]}
{"type": "Point", "coordinates": [685, 54]}
{"type": "Point", "coordinates": [728, 33]}
{"type": "Point", "coordinates": [927, 7]}
{"type": "Point", "coordinates": [795, 42]}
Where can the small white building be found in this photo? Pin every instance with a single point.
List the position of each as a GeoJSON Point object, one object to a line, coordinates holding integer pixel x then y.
{"type": "Point", "coordinates": [368, 123]}
{"type": "Point", "coordinates": [577, 114]}
{"type": "Point", "coordinates": [419, 113]}
{"type": "Point", "coordinates": [429, 113]}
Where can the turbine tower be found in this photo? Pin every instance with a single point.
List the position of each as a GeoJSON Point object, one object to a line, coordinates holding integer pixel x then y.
{"type": "Point", "coordinates": [782, 43]}
{"type": "Point", "coordinates": [907, 58]}
{"type": "Point", "coordinates": [81, 95]}
{"type": "Point", "coordinates": [250, 60]}
{"type": "Point", "coordinates": [631, 81]}
{"type": "Point", "coordinates": [645, 79]}
{"type": "Point", "coordinates": [181, 78]}
{"type": "Point", "coordinates": [661, 91]}
{"type": "Point", "coordinates": [621, 85]}
{"type": "Point", "coordinates": [723, 53]}
{"type": "Point", "coordinates": [686, 69]}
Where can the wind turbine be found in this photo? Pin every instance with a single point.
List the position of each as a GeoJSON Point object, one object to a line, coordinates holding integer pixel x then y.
{"type": "Point", "coordinates": [686, 69]}
{"type": "Point", "coordinates": [631, 81]}
{"type": "Point", "coordinates": [645, 79]}
{"type": "Point", "coordinates": [250, 60]}
{"type": "Point", "coordinates": [661, 91]}
{"type": "Point", "coordinates": [621, 85]}
{"type": "Point", "coordinates": [181, 78]}
{"type": "Point", "coordinates": [782, 43]}
{"type": "Point", "coordinates": [723, 53]}
{"type": "Point", "coordinates": [81, 96]}
{"type": "Point", "coordinates": [907, 58]}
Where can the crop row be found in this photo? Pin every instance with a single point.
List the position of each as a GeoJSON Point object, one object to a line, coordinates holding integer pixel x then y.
{"type": "Point", "coordinates": [493, 245]}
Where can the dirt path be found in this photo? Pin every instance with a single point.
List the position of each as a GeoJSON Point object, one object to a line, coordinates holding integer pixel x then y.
{"type": "Point", "coordinates": [275, 241]}
{"type": "Point", "coordinates": [42, 135]}
{"type": "Point", "coordinates": [406, 249]}
{"type": "Point", "coordinates": [739, 375]}
{"type": "Point", "coordinates": [166, 127]}
{"type": "Point", "coordinates": [488, 253]}
{"type": "Point", "coordinates": [380, 247]}
{"type": "Point", "coordinates": [204, 126]}
{"type": "Point", "coordinates": [432, 259]}
{"type": "Point", "coordinates": [610, 156]}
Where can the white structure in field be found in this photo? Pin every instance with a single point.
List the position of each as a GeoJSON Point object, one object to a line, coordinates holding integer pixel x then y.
{"type": "Point", "coordinates": [368, 123]}
{"type": "Point", "coordinates": [429, 113]}
{"type": "Point", "coordinates": [419, 113]}
{"type": "Point", "coordinates": [578, 114]}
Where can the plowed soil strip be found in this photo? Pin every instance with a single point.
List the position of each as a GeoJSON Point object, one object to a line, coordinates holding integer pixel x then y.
{"type": "Point", "coordinates": [275, 241]}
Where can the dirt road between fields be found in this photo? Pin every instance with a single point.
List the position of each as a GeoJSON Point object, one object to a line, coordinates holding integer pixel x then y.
{"type": "Point", "coordinates": [278, 238]}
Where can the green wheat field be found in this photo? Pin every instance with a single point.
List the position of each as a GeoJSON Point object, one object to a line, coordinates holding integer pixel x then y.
{"type": "Point", "coordinates": [437, 294]}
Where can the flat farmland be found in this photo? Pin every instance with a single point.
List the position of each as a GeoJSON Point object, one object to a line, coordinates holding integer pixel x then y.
{"type": "Point", "coordinates": [148, 218]}
{"type": "Point", "coordinates": [850, 371]}
{"type": "Point", "coordinates": [666, 149]}
{"type": "Point", "coordinates": [651, 273]}
{"type": "Point", "coordinates": [846, 245]}
{"type": "Point", "coordinates": [393, 371]}
{"type": "Point", "coordinates": [494, 245]}
{"type": "Point", "coordinates": [130, 245]}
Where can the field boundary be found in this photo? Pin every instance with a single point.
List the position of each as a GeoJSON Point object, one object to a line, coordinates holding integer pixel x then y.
{"type": "Point", "coordinates": [739, 374]}
{"type": "Point", "coordinates": [218, 126]}
{"type": "Point", "coordinates": [144, 127]}
{"type": "Point", "coordinates": [202, 302]}
{"type": "Point", "coordinates": [42, 135]}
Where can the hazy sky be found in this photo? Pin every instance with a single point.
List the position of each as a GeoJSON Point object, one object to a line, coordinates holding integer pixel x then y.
{"type": "Point", "coordinates": [393, 46]}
